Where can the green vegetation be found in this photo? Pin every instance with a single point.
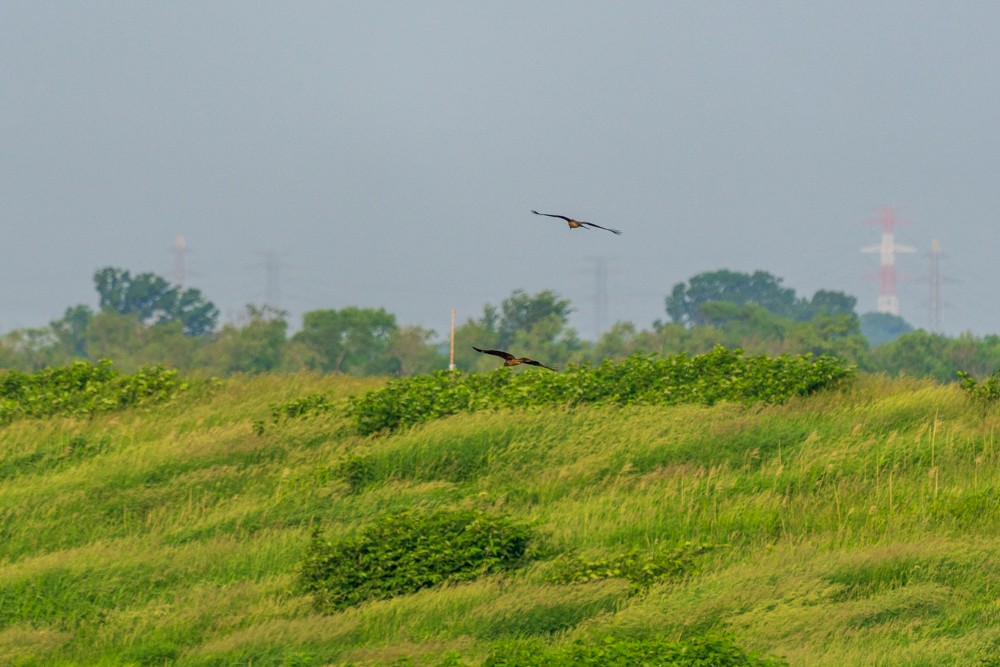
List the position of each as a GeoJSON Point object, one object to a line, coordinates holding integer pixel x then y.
{"type": "Point", "coordinates": [720, 375]}
{"type": "Point", "coordinates": [855, 525]}
{"type": "Point", "coordinates": [404, 552]}
{"type": "Point", "coordinates": [155, 301]}
{"type": "Point", "coordinates": [627, 653]}
{"type": "Point", "coordinates": [296, 408]}
{"type": "Point", "coordinates": [987, 390]}
{"type": "Point", "coordinates": [83, 389]}
{"type": "Point", "coordinates": [641, 569]}
{"type": "Point", "coordinates": [145, 321]}
{"type": "Point", "coordinates": [692, 302]}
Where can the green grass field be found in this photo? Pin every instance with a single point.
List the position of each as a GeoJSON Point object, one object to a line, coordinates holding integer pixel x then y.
{"type": "Point", "coordinates": [859, 526]}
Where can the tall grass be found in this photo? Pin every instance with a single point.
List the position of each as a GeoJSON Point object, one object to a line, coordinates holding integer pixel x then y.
{"type": "Point", "coordinates": [860, 526]}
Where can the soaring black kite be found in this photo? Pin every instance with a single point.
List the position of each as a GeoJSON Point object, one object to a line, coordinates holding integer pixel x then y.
{"type": "Point", "coordinates": [510, 360]}
{"type": "Point", "coordinates": [573, 224]}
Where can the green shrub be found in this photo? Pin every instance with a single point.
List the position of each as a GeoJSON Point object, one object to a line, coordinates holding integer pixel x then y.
{"type": "Point", "coordinates": [612, 652]}
{"type": "Point", "coordinates": [641, 568]}
{"type": "Point", "coordinates": [313, 404]}
{"type": "Point", "coordinates": [301, 407]}
{"type": "Point", "coordinates": [83, 389]}
{"type": "Point", "coordinates": [986, 391]}
{"type": "Point", "coordinates": [404, 552]}
{"type": "Point", "coordinates": [358, 472]}
{"type": "Point", "coordinates": [720, 375]}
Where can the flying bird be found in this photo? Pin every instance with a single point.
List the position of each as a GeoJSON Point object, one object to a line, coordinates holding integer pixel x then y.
{"type": "Point", "coordinates": [573, 224]}
{"type": "Point", "coordinates": [511, 360]}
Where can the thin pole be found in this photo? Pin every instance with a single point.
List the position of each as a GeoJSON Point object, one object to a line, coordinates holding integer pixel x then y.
{"type": "Point", "coordinates": [451, 353]}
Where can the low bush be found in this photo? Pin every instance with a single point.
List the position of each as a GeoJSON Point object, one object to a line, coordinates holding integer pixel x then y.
{"type": "Point", "coordinates": [642, 569]}
{"type": "Point", "coordinates": [297, 408]}
{"type": "Point", "coordinates": [404, 552]}
{"type": "Point", "coordinates": [83, 389]}
{"type": "Point", "coordinates": [720, 375]}
{"type": "Point", "coordinates": [312, 404]}
{"type": "Point", "coordinates": [986, 391]}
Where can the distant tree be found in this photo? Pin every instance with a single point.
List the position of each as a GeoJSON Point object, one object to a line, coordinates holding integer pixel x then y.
{"type": "Point", "coordinates": [197, 315]}
{"type": "Point", "coordinates": [490, 321]}
{"type": "Point", "coordinates": [351, 340]}
{"type": "Point", "coordinates": [257, 347]}
{"type": "Point", "coordinates": [917, 354]}
{"type": "Point", "coordinates": [880, 328]}
{"type": "Point", "coordinates": [979, 357]}
{"type": "Point", "coordinates": [10, 356]}
{"type": "Point", "coordinates": [410, 351]}
{"type": "Point", "coordinates": [618, 342]}
{"type": "Point", "coordinates": [153, 300]}
{"type": "Point", "coordinates": [475, 332]}
{"type": "Point", "coordinates": [668, 338]}
{"type": "Point", "coordinates": [922, 354]}
{"type": "Point", "coordinates": [826, 302]}
{"type": "Point", "coordinates": [111, 335]}
{"type": "Point", "coordinates": [168, 345]}
{"type": "Point", "coordinates": [29, 349]}
{"type": "Point", "coordinates": [837, 335]}
{"type": "Point", "coordinates": [147, 296]}
{"type": "Point", "coordinates": [549, 340]}
{"type": "Point", "coordinates": [71, 330]}
{"type": "Point", "coordinates": [521, 312]}
{"type": "Point", "coordinates": [744, 322]}
{"type": "Point", "coordinates": [533, 325]}
{"type": "Point", "coordinates": [687, 301]}
{"type": "Point", "coordinates": [684, 305]}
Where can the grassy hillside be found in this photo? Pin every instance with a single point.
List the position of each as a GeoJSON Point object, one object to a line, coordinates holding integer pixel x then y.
{"type": "Point", "coordinates": [859, 526]}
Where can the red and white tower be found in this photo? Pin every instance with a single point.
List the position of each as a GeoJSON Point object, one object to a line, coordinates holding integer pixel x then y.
{"type": "Point", "coordinates": [888, 297]}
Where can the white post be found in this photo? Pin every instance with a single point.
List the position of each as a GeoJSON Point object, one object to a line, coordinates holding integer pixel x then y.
{"type": "Point", "coordinates": [451, 354]}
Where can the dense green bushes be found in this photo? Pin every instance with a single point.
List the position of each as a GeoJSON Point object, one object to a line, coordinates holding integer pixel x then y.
{"type": "Point", "coordinates": [720, 375]}
{"type": "Point", "coordinates": [405, 552]}
{"type": "Point", "coordinates": [83, 389]}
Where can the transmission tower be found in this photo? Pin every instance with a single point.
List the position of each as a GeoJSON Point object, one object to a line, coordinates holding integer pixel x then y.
{"type": "Point", "coordinates": [935, 321]}
{"type": "Point", "coordinates": [600, 294]}
{"type": "Point", "coordinates": [180, 249]}
{"type": "Point", "coordinates": [888, 297]}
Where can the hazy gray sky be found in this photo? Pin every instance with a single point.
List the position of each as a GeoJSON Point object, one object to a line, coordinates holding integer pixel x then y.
{"type": "Point", "coordinates": [388, 154]}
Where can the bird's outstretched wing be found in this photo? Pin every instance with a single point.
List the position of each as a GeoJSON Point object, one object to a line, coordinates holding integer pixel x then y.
{"type": "Point", "coordinates": [580, 222]}
{"type": "Point", "coordinates": [532, 362]}
{"type": "Point", "coordinates": [607, 229]}
{"type": "Point", "coordinates": [551, 215]}
{"type": "Point", "coordinates": [499, 353]}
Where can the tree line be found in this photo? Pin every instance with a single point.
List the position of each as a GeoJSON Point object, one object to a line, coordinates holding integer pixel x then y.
{"type": "Point", "coordinates": [144, 320]}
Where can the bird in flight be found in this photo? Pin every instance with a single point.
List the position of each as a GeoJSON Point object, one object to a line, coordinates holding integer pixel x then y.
{"type": "Point", "coordinates": [573, 224]}
{"type": "Point", "coordinates": [510, 360]}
